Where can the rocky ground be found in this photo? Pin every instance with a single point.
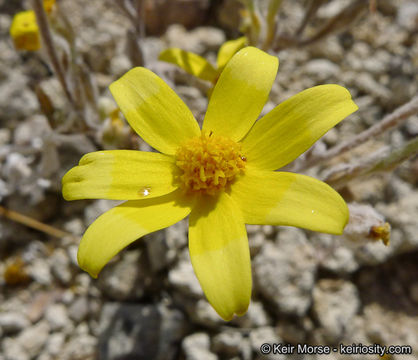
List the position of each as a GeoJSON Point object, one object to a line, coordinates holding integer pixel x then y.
{"type": "Point", "coordinates": [147, 304]}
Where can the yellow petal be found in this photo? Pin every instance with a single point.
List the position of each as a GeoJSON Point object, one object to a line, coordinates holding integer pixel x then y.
{"type": "Point", "coordinates": [122, 225]}
{"type": "Point", "coordinates": [282, 198]}
{"type": "Point", "coordinates": [24, 31]}
{"type": "Point", "coordinates": [220, 254]}
{"type": "Point", "coordinates": [120, 175]}
{"type": "Point", "coordinates": [240, 93]}
{"type": "Point", "coordinates": [228, 50]}
{"type": "Point", "coordinates": [190, 62]}
{"type": "Point", "coordinates": [154, 110]}
{"type": "Point", "coordinates": [293, 126]}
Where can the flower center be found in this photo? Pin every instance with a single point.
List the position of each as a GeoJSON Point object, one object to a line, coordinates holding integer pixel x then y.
{"type": "Point", "coordinates": [208, 163]}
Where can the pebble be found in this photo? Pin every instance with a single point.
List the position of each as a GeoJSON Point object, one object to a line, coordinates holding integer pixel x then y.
{"type": "Point", "coordinates": [228, 343]}
{"type": "Point", "coordinates": [126, 279]}
{"type": "Point", "coordinates": [285, 273]}
{"type": "Point", "coordinates": [139, 331]}
{"type": "Point", "coordinates": [79, 309]}
{"type": "Point", "coordinates": [335, 303]}
{"type": "Point", "coordinates": [33, 339]}
{"type": "Point", "coordinates": [60, 266]}
{"type": "Point", "coordinates": [322, 69]}
{"type": "Point", "coordinates": [182, 278]}
{"type": "Point", "coordinates": [13, 322]}
{"type": "Point", "coordinates": [196, 347]}
{"type": "Point", "coordinates": [57, 316]}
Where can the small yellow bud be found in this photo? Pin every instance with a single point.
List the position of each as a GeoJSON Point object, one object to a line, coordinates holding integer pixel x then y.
{"type": "Point", "coordinates": [381, 232]}
{"type": "Point", "coordinates": [24, 31]}
{"type": "Point", "coordinates": [49, 5]}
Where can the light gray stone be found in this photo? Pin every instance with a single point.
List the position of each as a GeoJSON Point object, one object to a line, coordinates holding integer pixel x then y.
{"type": "Point", "coordinates": [322, 69]}
{"type": "Point", "coordinates": [13, 350]}
{"type": "Point", "coordinates": [13, 322]}
{"type": "Point", "coordinates": [139, 331]}
{"type": "Point", "coordinates": [407, 15]}
{"type": "Point", "coordinates": [196, 347]}
{"type": "Point", "coordinates": [182, 278]}
{"type": "Point", "coordinates": [336, 302]}
{"type": "Point", "coordinates": [255, 316]}
{"type": "Point", "coordinates": [284, 273]}
{"type": "Point", "coordinates": [57, 316]}
{"type": "Point", "coordinates": [264, 335]}
{"type": "Point", "coordinates": [55, 344]}
{"type": "Point", "coordinates": [80, 347]}
{"type": "Point", "coordinates": [202, 313]}
{"type": "Point", "coordinates": [33, 339]}
{"type": "Point", "coordinates": [127, 279]}
{"type": "Point", "coordinates": [228, 343]}
{"type": "Point", "coordinates": [79, 309]}
{"type": "Point", "coordinates": [60, 266]}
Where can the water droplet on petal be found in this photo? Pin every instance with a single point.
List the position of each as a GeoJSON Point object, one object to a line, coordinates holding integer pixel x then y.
{"type": "Point", "coordinates": [145, 191]}
{"type": "Point", "coordinates": [313, 211]}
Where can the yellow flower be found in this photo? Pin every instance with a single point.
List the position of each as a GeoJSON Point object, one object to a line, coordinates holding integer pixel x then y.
{"type": "Point", "coordinates": [198, 66]}
{"type": "Point", "coordinates": [24, 29]}
{"type": "Point", "coordinates": [222, 176]}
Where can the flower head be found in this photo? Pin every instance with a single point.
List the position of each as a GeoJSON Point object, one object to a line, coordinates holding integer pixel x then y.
{"type": "Point", "coordinates": [197, 65]}
{"type": "Point", "coordinates": [24, 29]}
{"type": "Point", "coordinates": [221, 175]}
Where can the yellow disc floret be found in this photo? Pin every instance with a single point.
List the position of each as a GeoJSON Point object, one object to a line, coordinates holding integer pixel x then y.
{"type": "Point", "coordinates": [208, 163]}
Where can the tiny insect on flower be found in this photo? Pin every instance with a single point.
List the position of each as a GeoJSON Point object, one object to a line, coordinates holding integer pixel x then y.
{"type": "Point", "coordinates": [198, 66]}
{"type": "Point", "coordinates": [222, 175]}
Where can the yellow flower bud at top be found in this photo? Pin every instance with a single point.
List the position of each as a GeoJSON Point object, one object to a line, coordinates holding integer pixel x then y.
{"type": "Point", "coordinates": [49, 5]}
{"type": "Point", "coordinates": [24, 31]}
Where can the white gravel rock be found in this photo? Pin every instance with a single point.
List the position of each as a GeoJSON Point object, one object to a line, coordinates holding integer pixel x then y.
{"type": "Point", "coordinates": [336, 302]}
{"type": "Point", "coordinates": [40, 271]}
{"type": "Point", "coordinates": [264, 335]}
{"type": "Point", "coordinates": [182, 277]}
{"type": "Point", "coordinates": [408, 15]}
{"type": "Point", "coordinates": [202, 313]}
{"type": "Point", "coordinates": [79, 347]}
{"type": "Point", "coordinates": [55, 344]}
{"type": "Point", "coordinates": [34, 338]}
{"type": "Point", "coordinates": [228, 343]}
{"type": "Point", "coordinates": [284, 273]}
{"type": "Point", "coordinates": [196, 347]}
{"type": "Point", "coordinates": [322, 69]}
{"type": "Point", "coordinates": [12, 350]}
{"type": "Point", "coordinates": [57, 317]}
{"type": "Point", "coordinates": [60, 266]}
{"type": "Point", "coordinates": [256, 316]}
{"type": "Point", "coordinates": [79, 309]}
{"type": "Point", "coordinates": [13, 322]}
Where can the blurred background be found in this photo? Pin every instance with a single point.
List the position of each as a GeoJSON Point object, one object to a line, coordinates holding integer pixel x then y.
{"type": "Point", "coordinates": [55, 106]}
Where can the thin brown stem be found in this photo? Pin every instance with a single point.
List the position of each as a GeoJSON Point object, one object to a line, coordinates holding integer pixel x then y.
{"type": "Point", "coordinates": [46, 36]}
{"type": "Point", "coordinates": [313, 8]}
{"type": "Point", "coordinates": [388, 122]}
{"type": "Point", "coordinates": [32, 223]}
{"type": "Point", "coordinates": [382, 161]}
{"type": "Point", "coordinates": [337, 23]}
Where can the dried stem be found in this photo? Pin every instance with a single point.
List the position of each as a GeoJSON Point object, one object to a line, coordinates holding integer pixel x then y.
{"type": "Point", "coordinates": [254, 31]}
{"type": "Point", "coordinates": [390, 121]}
{"type": "Point", "coordinates": [32, 223]}
{"type": "Point", "coordinates": [273, 8]}
{"type": "Point", "coordinates": [46, 36]}
{"type": "Point", "coordinates": [136, 15]}
{"type": "Point", "coordinates": [380, 161]}
{"type": "Point", "coordinates": [337, 23]}
{"type": "Point", "coordinates": [313, 8]}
